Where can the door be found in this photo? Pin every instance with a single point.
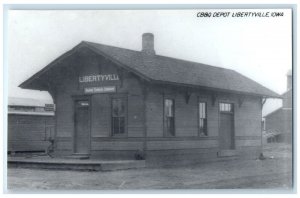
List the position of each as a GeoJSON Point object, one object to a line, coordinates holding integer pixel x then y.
{"type": "Point", "coordinates": [82, 127]}
{"type": "Point", "coordinates": [226, 130]}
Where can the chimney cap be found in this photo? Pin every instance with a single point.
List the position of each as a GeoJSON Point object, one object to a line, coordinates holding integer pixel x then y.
{"type": "Point", "coordinates": [148, 34]}
{"type": "Point", "coordinates": [148, 43]}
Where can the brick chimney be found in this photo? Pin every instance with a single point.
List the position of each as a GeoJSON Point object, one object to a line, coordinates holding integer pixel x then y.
{"type": "Point", "coordinates": [289, 80]}
{"type": "Point", "coordinates": [148, 44]}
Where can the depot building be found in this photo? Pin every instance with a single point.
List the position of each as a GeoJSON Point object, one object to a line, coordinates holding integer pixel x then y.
{"type": "Point", "coordinates": [113, 102]}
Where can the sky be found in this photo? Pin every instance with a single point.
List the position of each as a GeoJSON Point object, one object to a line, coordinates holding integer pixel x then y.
{"type": "Point", "coordinates": [257, 47]}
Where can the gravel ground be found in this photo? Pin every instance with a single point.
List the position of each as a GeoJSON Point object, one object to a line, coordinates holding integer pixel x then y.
{"type": "Point", "coordinates": [275, 172]}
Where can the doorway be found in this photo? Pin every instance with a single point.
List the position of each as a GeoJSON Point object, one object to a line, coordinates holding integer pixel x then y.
{"type": "Point", "coordinates": [226, 130]}
{"type": "Point", "coordinates": [82, 127]}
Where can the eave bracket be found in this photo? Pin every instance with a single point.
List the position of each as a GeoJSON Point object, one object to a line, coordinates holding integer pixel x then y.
{"type": "Point", "coordinates": [241, 101]}
{"type": "Point", "coordinates": [213, 99]}
{"type": "Point", "coordinates": [187, 97]}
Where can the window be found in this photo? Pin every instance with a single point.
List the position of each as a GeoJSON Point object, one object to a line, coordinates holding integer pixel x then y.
{"type": "Point", "coordinates": [118, 116]}
{"type": "Point", "coordinates": [226, 107]}
{"type": "Point", "coordinates": [169, 118]}
{"type": "Point", "coordinates": [202, 119]}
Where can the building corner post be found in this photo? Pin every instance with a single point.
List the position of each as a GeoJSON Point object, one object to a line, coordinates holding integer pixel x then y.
{"type": "Point", "coordinates": [145, 92]}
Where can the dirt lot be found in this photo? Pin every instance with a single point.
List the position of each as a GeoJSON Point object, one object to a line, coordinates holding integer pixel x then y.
{"type": "Point", "coordinates": [275, 172]}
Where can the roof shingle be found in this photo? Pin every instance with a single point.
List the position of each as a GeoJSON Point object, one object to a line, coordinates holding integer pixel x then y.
{"type": "Point", "coordinates": [166, 69]}
{"type": "Point", "coordinates": [161, 68]}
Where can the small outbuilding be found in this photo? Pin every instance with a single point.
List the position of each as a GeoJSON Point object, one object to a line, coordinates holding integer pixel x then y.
{"type": "Point", "coordinates": [279, 123]}
{"type": "Point", "coordinates": [30, 125]}
{"type": "Point", "coordinates": [113, 102]}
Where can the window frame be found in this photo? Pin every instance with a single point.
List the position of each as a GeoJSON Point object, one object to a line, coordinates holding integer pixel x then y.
{"type": "Point", "coordinates": [206, 117]}
{"type": "Point", "coordinates": [124, 98]}
{"type": "Point", "coordinates": [166, 134]}
{"type": "Point", "coordinates": [231, 111]}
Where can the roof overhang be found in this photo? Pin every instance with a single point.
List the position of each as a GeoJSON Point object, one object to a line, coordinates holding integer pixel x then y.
{"type": "Point", "coordinates": [216, 89]}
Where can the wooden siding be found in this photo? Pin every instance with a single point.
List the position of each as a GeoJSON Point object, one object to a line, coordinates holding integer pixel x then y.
{"type": "Point", "coordinates": [101, 116]}
{"type": "Point", "coordinates": [248, 117]}
{"type": "Point", "coordinates": [135, 116]}
{"type": "Point", "coordinates": [64, 114]}
{"type": "Point", "coordinates": [186, 144]}
{"type": "Point", "coordinates": [154, 114]}
{"type": "Point", "coordinates": [116, 145]}
{"type": "Point", "coordinates": [186, 116]}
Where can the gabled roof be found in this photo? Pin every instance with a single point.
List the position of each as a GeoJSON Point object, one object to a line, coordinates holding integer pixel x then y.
{"type": "Point", "coordinates": [162, 69]}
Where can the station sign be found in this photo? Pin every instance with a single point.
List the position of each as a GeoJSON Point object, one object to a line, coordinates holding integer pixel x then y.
{"type": "Point", "coordinates": [105, 89]}
{"type": "Point", "coordinates": [98, 78]}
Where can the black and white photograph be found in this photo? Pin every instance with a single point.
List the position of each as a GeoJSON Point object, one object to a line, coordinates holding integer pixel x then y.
{"type": "Point", "coordinates": [148, 100]}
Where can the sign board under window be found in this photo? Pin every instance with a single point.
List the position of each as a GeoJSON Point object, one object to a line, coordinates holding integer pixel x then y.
{"type": "Point", "coordinates": [49, 107]}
